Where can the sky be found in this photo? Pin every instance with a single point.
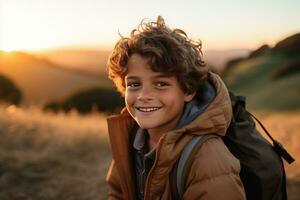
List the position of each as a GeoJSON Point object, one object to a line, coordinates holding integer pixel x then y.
{"type": "Point", "coordinates": [220, 25]}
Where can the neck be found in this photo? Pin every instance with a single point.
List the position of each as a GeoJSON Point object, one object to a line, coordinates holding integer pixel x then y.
{"type": "Point", "coordinates": [154, 139]}
{"type": "Point", "coordinates": [156, 133]}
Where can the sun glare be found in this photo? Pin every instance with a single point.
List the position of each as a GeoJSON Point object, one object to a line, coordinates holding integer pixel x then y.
{"type": "Point", "coordinates": [22, 30]}
{"type": "Point", "coordinates": [8, 48]}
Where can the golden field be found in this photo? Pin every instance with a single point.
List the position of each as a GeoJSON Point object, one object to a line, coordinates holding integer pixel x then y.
{"type": "Point", "coordinates": [66, 156]}
{"type": "Point", "coordinates": [47, 156]}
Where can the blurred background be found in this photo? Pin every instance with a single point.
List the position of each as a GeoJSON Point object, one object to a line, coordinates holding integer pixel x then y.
{"type": "Point", "coordinates": [55, 95]}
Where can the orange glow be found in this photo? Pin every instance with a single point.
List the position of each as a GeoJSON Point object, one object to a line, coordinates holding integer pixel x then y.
{"type": "Point", "coordinates": [35, 25]}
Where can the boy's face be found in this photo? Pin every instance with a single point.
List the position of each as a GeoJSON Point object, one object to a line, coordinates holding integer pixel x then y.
{"type": "Point", "coordinates": [155, 101]}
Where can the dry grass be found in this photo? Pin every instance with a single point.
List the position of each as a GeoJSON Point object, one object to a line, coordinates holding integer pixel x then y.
{"type": "Point", "coordinates": [65, 156]}
{"type": "Point", "coordinates": [285, 127]}
{"type": "Point", "coordinates": [46, 156]}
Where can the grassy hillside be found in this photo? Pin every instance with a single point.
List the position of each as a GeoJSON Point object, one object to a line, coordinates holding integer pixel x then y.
{"type": "Point", "coordinates": [42, 81]}
{"type": "Point", "coordinates": [254, 79]}
{"type": "Point", "coordinates": [51, 157]}
{"type": "Point", "coordinates": [268, 77]}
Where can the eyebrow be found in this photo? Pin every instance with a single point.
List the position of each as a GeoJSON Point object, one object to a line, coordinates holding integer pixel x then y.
{"type": "Point", "coordinates": [156, 76]}
{"type": "Point", "coordinates": [131, 77]}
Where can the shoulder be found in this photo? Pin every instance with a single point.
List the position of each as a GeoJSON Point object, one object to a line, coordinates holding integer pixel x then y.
{"type": "Point", "coordinates": [214, 173]}
{"type": "Point", "coordinates": [213, 159]}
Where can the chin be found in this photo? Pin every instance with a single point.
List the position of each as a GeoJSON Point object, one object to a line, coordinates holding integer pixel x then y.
{"type": "Point", "coordinates": [146, 125]}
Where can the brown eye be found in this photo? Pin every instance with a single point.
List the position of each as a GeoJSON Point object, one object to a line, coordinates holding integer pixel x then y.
{"type": "Point", "coordinates": [133, 85]}
{"type": "Point", "coordinates": [161, 84]}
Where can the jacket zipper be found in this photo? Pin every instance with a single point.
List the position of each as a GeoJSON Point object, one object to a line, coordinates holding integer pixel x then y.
{"type": "Point", "coordinates": [149, 177]}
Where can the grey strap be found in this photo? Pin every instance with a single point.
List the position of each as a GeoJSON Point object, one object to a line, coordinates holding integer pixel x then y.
{"type": "Point", "coordinates": [182, 161]}
{"type": "Point", "coordinates": [185, 161]}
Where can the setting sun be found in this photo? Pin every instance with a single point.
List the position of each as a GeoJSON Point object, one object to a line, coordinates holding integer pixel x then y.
{"type": "Point", "coordinates": [14, 45]}
{"type": "Point", "coordinates": [10, 45]}
{"type": "Point", "coordinates": [30, 28]}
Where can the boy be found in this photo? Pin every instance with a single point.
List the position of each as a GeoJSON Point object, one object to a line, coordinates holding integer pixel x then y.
{"type": "Point", "coordinates": [170, 96]}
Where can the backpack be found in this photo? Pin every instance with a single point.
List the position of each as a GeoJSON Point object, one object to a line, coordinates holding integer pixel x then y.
{"type": "Point", "coordinates": [253, 151]}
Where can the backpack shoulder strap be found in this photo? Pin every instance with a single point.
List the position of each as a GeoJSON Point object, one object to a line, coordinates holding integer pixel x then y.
{"type": "Point", "coordinates": [182, 166]}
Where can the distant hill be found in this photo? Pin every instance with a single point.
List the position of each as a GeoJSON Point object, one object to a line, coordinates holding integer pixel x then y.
{"type": "Point", "coordinates": [41, 81]}
{"type": "Point", "coordinates": [219, 58]}
{"type": "Point", "coordinates": [93, 61]}
{"type": "Point", "coordinates": [269, 77]}
{"type": "Point", "coordinates": [289, 46]}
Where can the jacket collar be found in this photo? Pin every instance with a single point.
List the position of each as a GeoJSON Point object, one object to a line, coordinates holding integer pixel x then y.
{"type": "Point", "coordinates": [119, 129]}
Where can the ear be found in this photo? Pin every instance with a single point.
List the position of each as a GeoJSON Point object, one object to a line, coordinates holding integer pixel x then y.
{"type": "Point", "coordinates": [189, 97]}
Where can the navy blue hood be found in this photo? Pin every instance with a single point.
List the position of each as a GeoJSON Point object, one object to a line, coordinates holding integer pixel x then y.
{"type": "Point", "coordinates": [204, 96]}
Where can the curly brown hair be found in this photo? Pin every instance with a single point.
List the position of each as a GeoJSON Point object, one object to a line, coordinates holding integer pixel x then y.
{"type": "Point", "coordinates": [169, 51]}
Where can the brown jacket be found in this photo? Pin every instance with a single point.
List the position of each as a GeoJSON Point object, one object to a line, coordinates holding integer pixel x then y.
{"type": "Point", "coordinates": [214, 173]}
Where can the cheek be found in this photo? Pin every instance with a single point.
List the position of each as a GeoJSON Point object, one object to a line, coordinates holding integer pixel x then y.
{"type": "Point", "coordinates": [173, 99]}
{"type": "Point", "coordinates": [129, 99]}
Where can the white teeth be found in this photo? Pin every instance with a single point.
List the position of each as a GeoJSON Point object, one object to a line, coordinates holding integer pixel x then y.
{"type": "Point", "coordinates": [148, 109]}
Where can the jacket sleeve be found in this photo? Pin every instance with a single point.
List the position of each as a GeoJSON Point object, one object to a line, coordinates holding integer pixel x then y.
{"type": "Point", "coordinates": [113, 180]}
{"type": "Point", "coordinates": [214, 174]}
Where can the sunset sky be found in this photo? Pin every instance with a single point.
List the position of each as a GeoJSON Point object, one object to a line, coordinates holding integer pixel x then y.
{"type": "Point", "coordinates": [227, 24]}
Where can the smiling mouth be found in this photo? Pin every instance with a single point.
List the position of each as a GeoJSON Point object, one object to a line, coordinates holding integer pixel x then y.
{"type": "Point", "coordinates": [148, 109]}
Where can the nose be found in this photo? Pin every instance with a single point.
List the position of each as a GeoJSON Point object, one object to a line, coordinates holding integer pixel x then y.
{"type": "Point", "coordinates": [145, 94]}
